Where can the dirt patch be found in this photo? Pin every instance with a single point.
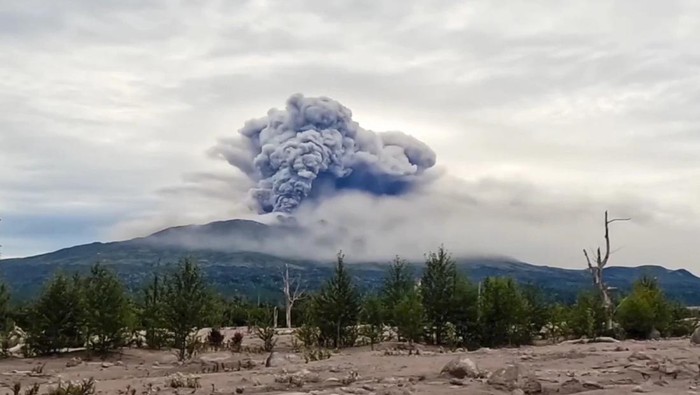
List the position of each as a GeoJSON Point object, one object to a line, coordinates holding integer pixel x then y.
{"type": "Point", "coordinates": [655, 367]}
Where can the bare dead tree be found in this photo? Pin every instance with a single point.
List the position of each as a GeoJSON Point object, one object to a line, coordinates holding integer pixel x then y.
{"type": "Point", "coordinates": [596, 268]}
{"type": "Point", "coordinates": [292, 293]}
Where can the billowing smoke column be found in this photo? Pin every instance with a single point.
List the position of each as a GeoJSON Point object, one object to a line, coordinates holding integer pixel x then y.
{"type": "Point", "coordinates": [314, 148]}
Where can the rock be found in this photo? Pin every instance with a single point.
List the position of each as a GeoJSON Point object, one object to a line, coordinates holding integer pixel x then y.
{"type": "Point", "coordinates": [695, 338]}
{"type": "Point", "coordinates": [455, 381]}
{"type": "Point", "coordinates": [106, 365]}
{"type": "Point", "coordinates": [517, 391]}
{"type": "Point", "coordinates": [654, 334]}
{"type": "Point", "coordinates": [639, 356]}
{"type": "Point", "coordinates": [669, 368]}
{"type": "Point", "coordinates": [515, 376]}
{"type": "Point", "coordinates": [532, 386]}
{"type": "Point", "coordinates": [460, 368]}
{"type": "Point", "coordinates": [240, 390]}
{"type": "Point", "coordinates": [275, 360]}
{"type": "Point", "coordinates": [638, 389]}
{"type": "Point", "coordinates": [571, 386]}
{"type": "Point", "coordinates": [74, 362]}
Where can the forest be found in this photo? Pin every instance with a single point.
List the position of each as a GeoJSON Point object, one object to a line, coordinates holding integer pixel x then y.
{"type": "Point", "coordinates": [96, 311]}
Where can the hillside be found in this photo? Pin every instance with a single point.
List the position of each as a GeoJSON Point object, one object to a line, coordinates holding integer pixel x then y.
{"type": "Point", "coordinates": [254, 274]}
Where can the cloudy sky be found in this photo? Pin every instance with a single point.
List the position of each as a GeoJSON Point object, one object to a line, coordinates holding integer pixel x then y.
{"type": "Point", "coordinates": [542, 114]}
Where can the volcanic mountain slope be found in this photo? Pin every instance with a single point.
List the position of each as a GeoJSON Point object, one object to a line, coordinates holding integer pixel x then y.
{"type": "Point", "coordinates": [232, 268]}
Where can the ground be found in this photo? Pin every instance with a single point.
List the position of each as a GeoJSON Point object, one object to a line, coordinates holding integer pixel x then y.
{"type": "Point", "coordinates": [654, 367]}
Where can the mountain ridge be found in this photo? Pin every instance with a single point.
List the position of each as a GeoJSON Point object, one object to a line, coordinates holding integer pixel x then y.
{"type": "Point", "coordinates": [232, 266]}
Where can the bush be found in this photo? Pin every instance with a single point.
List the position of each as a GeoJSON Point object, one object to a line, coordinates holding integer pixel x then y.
{"type": "Point", "coordinates": [267, 335]}
{"type": "Point", "coordinates": [215, 338]}
{"type": "Point", "coordinates": [84, 387]}
{"type": "Point", "coordinates": [179, 380]}
{"type": "Point", "coordinates": [234, 344]}
{"type": "Point", "coordinates": [587, 317]}
{"type": "Point", "coordinates": [307, 335]}
{"type": "Point", "coordinates": [644, 309]}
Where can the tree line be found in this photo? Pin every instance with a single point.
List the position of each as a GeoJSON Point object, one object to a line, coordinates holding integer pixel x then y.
{"type": "Point", "coordinates": [438, 306]}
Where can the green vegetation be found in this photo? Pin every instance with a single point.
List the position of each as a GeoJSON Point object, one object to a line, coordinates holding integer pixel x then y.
{"type": "Point", "coordinates": [444, 308]}
{"type": "Point", "coordinates": [187, 305]}
{"type": "Point", "coordinates": [107, 310]}
{"type": "Point", "coordinates": [336, 309]}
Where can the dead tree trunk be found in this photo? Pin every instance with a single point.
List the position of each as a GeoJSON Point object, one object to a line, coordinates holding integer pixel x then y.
{"type": "Point", "coordinates": [292, 293]}
{"type": "Point", "coordinates": [596, 268]}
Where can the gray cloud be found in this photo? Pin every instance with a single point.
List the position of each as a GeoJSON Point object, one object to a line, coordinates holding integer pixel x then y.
{"type": "Point", "coordinates": [542, 115]}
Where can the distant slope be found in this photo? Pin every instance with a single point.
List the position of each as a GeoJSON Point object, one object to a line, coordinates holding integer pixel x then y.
{"type": "Point", "coordinates": [252, 274]}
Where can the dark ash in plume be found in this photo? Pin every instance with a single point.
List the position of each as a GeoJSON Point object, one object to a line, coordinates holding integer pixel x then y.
{"type": "Point", "coordinates": [314, 148]}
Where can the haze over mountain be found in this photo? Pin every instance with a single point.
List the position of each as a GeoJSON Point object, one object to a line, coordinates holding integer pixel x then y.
{"type": "Point", "coordinates": [227, 252]}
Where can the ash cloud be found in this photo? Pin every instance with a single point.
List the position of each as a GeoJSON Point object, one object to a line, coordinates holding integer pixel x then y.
{"type": "Point", "coordinates": [313, 149]}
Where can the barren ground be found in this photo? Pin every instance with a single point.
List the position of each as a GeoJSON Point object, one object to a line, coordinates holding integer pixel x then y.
{"type": "Point", "coordinates": [655, 367]}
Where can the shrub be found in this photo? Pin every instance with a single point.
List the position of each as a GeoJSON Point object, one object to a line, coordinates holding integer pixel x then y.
{"type": "Point", "coordinates": [234, 344]}
{"type": "Point", "coordinates": [644, 309]}
{"type": "Point", "coordinates": [84, 387]}
{"type": "Point", "coordinates": [307, 335]}
{"type": "Point", "coordinates": [179, 380]}
{"type": "Point", "coordinates": [215, 338]}
{"type": "Point", "coordinates": [267, 335]}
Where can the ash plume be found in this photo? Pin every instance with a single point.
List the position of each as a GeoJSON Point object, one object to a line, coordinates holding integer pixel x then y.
{"type": "Point", "coordinates": [313, 148]}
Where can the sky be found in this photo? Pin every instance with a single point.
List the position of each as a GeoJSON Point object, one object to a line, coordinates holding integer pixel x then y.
{"type": "Point", "coordinates": [542, 115]}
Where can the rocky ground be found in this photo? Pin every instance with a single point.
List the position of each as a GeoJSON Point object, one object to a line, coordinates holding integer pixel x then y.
{"type": "Point", "coordinates": [654, 367]}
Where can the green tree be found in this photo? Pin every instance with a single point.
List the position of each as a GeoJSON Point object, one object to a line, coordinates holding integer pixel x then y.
{"type": "Point", "coordinates": [5, 312]}
{"type": "Point", "coordinates": [373, 318]}
{"type": "Point", "coordinates": [410, 317]}
{"type": "Point", "coordinates": [464, 312]}
{"type": "Point", "coordinates": [556, 323]}
{"type": "Point", "coordinates": [5, 320]}
{"type": "Point", "coordinates": [336, 308]}
{"type": "Point", "coordinates": [538, 309]}
{"type": "Point", "coordinates": [645, 309]}
{"type": "Point", "coordinates": [588, 316]}
{"type": "Point", "coordinates": [398, 281]}
{"type": "Point", "coordinates": [152, 314]}
{"type": "Point", "coordinates": [185, 304]}
{"type": "Point", "coordinates": [502, 313]}
{"type": "Point", "coordinates": [437, 288]}
{"type": "Point", "coordinates": [57, 317]}
{"type": "Point", "coordinates": [107, 310]}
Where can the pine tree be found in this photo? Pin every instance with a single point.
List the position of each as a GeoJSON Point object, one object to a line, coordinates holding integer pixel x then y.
{"type": "Point", "coordinates": [398, 281]}
{"type": "Point", "coordinates": [4, 309]}
{"type": "Point", "coordinates": [186, 304]}
{"type": "Point", "coordinates": [57, 317]}
{"type": "Point", "coordinates": [152, 314]}
{"type": "Point", "coordinates": [107, 310]}
{"type": "Point", "coordinates": [373, 318]}
{"type": "Point", "coordinates": [336, 308]}
{"type": "Point", "coordinates": [503, 318]}
{"type": "Point", "coordinates": [410, 317]}
{"type": "Point", "coordinates": [464, 312]}
{"type": "Point", "coordinates": [437, 288]}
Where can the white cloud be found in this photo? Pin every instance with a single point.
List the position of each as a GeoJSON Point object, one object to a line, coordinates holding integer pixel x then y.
{"type": "Point", "coordinates": [547, 112]}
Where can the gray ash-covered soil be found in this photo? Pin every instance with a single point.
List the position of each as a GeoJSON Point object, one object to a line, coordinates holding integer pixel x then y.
{"type": "Point", "coordinates": [653, 367]}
